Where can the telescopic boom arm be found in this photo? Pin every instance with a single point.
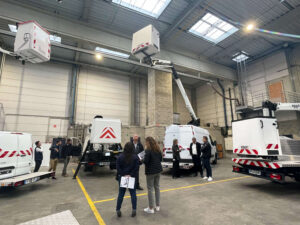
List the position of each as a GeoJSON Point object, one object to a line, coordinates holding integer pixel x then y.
{"type": "Point", "coordinates": [167, 64]}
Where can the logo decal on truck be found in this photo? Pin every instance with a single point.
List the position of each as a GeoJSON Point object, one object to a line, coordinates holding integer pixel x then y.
{"type": "Point", "coordinates": [108, 133]}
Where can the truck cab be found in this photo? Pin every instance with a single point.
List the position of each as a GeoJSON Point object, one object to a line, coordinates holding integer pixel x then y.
{"type": "Point", "coordinates": [184, 134]}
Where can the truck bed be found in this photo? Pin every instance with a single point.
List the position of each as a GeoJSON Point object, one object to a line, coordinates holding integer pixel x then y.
{"type": "Point", "coordinates": [25, 179]}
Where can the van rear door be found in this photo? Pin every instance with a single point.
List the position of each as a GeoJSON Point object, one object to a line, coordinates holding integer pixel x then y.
{"type": "Point", "coordinates": [8, 154]}
{"type": "Point", "coordinates": [25, 154]}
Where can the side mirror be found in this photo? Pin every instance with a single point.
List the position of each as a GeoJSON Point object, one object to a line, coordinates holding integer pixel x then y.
{"type": "Point", "coordinates": [214, 143]}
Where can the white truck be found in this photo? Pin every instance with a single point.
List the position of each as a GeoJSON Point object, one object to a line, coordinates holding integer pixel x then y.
{"type": "Point", "coordinates": [16, 160]}
{"type": "Point", "coordinates": [184, 135]}
{"type": "Point", "coordinates": [259, 149]}
{"type": "Point", "coordinates": [102, 145]}
{"type": "Point", "coordinates": [146, 44]}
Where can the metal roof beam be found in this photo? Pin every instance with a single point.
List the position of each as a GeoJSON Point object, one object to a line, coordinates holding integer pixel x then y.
{"type": "Point", "coordinates": [179, 19]}
{"type": "Point", "coordinates": [87, 4]}
{"type": "Point", "coordinates": [80, 30]}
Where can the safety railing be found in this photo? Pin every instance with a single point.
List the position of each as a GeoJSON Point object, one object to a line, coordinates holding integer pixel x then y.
{"type": "Point", "coordinates": [255, 99]}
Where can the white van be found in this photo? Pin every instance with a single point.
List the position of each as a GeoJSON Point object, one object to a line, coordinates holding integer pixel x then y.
{"type": "Point", "coordinates": [184, 134]}
{"type": "Point", "coordinates": [16, 154]}
{"type": "Point", "coordinates": [16, 160]}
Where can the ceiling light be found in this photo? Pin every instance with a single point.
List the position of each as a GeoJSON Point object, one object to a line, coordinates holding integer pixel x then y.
{"type": "Point", "coordinates": [240, 56]}
{"type": "Point", "coordinates": [250, 27]}
{"type": "Point", "coordinates": [111, 52]}
{"type": "Point", "coordinates": [54, 38]}
{"type": "Point", "coordinates": [149, 7]}
{"type": "Point", "coordinates": [98, 56]}
{"type": "Point", "coordinates": [212, 28]}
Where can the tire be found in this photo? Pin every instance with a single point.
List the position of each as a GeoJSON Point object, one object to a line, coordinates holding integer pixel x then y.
{"type": "Point", "coordinates": [88, 169]}
{"type": "Point", "coordinates": [297, 177]}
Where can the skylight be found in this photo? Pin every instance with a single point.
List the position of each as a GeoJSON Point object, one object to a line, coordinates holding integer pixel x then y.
{"type": "Point", "coordinates": [149, 7]}
{"type": "Point", "coordinates": [240, 56]}
{"type": "Point", "coordinates": [13, 28]}
{"type": "Point", "coordinates": [53, 38]}
{"type": "Point", "coordinates": [111, 52]}
{"type": "Point", "coordinates": [212, 28]}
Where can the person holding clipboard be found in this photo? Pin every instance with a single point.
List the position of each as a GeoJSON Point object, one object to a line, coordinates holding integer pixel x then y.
{"type": "Point", "coordinates": [127, 169]}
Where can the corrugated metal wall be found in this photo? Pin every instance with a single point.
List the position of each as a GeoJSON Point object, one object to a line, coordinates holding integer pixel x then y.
{"type": "Point", "coordinates": [265, 71]}
{"type": "Point", "coordinates": [102, 93]}
{"type": "Point", "coordinates": [35, 98]}
{"type": "Point", "coordinates": [210, 104]}
{"type": "Point", "coordinates": [143, 102]}
{"type": "Point", "coordinates": [179, 105]}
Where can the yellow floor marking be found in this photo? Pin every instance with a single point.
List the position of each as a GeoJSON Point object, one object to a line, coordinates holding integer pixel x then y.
{"type": "Point", "coordinates": [89, 200]}
{"type": "Point", "coordinates": [179, 188]}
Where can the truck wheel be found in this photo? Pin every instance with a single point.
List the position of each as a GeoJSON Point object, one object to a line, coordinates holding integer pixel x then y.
{"type": "Point", "coordinates": [88, 168]}
{"type": "Point", "coordinates": [297, 177]}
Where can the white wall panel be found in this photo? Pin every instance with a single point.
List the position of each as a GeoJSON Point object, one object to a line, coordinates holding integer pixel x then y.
{"type": "Point", "coordinates": [210, 105]}
{"type": "Point", "coordinates": [102, 93]}
{"type": "Point", "coordinates": [33, 95]}
{"type": "Point", "coordinates": [143, 102]}
{"type": "Point", "coordinates": [179, 105]}
{"type": "Point", "coordinates": [264, 71]}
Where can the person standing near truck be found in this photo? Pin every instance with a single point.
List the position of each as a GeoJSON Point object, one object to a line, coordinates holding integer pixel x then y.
{"type": "Point", "coordinates": [176, 159]}
{"type": "Point", "coordinates": [54, 155]}
{"type": "Point", "coordinates": [206, 154]}
{"type": "Point", "coordinates": [138, 148]}
{"type": "Point", "coordinates": [195, 151]}
{"type": "Point", "coordinates": [66, 153]}
{"type": "Point", "coordinates": [127, 165]}
{"type": "Point", "coordinates": [153, 168]}
{"type": "Point", "coordinates": [38, 156]}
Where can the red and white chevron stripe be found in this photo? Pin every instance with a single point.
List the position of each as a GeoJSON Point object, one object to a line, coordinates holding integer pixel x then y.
{"type": "Point", "coordinates": [10, 154]}
{"type": "Point", "coordinates": [272, 146]}
{"type": "Point", "coordinates": [246, 151]}
{"type": "Point", "coordinates": [270, 165]}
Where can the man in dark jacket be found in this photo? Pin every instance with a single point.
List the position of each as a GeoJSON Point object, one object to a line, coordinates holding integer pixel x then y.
{"type": "Point", "coordinates": [66, 153]}
{"type": "Point", "coordinates": [195, 151]}
{"type": "Point", "coordinates": [54, 155]}
{"type": "Point", "coordinates": [38, 156]}
{"type": "Point", "coordinates": [206, 154]}
{"type": "Point", "coordinates": [138, 148]}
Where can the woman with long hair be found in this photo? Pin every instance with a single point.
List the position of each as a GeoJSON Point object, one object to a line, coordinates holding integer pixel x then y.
{"type": "Point", "coordinates": [153, 168]}
{"type": "Point", "coordinates": [176, 159]}
{"type": "Point", "coordinates": [127, 165]}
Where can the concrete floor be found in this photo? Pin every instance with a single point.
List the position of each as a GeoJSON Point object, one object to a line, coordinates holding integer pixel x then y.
{"type": "Point", "coordinates": [227, 201]}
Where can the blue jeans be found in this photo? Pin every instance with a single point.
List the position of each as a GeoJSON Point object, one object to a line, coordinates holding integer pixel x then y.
{"type": "Point", "coordinates": [121, 197]}
{"type": "Point", "coordinates": [206, 164]}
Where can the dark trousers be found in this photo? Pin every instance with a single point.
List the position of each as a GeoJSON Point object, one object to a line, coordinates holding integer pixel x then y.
{"type": "Point", "coordinates": [197, 165]}
{"type": "Point", "coordinates": [121, 197]}
{"type": "Point", "coordinates": [37, 165]}
{"type": "Point", "coordinates": [137, 178]}
{"type": "Point", "coordinates": [66, 162]}
{"type": "Point", "coordinates": [176, 169]}
{"type": "Point", "coordinates": [206, 163]}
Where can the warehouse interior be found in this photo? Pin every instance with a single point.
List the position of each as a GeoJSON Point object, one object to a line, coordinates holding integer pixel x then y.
{"type": "Point", "coordinates": [230, 55]}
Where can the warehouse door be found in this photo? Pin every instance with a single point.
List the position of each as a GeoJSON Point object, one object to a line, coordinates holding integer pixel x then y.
{"type": "Point", "coordinates": [102, 93]}
{"type": "Point", "coordinates": [276, 92]}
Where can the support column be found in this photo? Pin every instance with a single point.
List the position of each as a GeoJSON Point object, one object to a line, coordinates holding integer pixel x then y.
{"type": "Point", "coordinates": [160, 104]}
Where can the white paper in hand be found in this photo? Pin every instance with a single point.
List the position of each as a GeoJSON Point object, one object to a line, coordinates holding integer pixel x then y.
{"type": "Point", "coordinates": [127, 182]}
{"type": "Point", "coordinates": [141, 155]}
